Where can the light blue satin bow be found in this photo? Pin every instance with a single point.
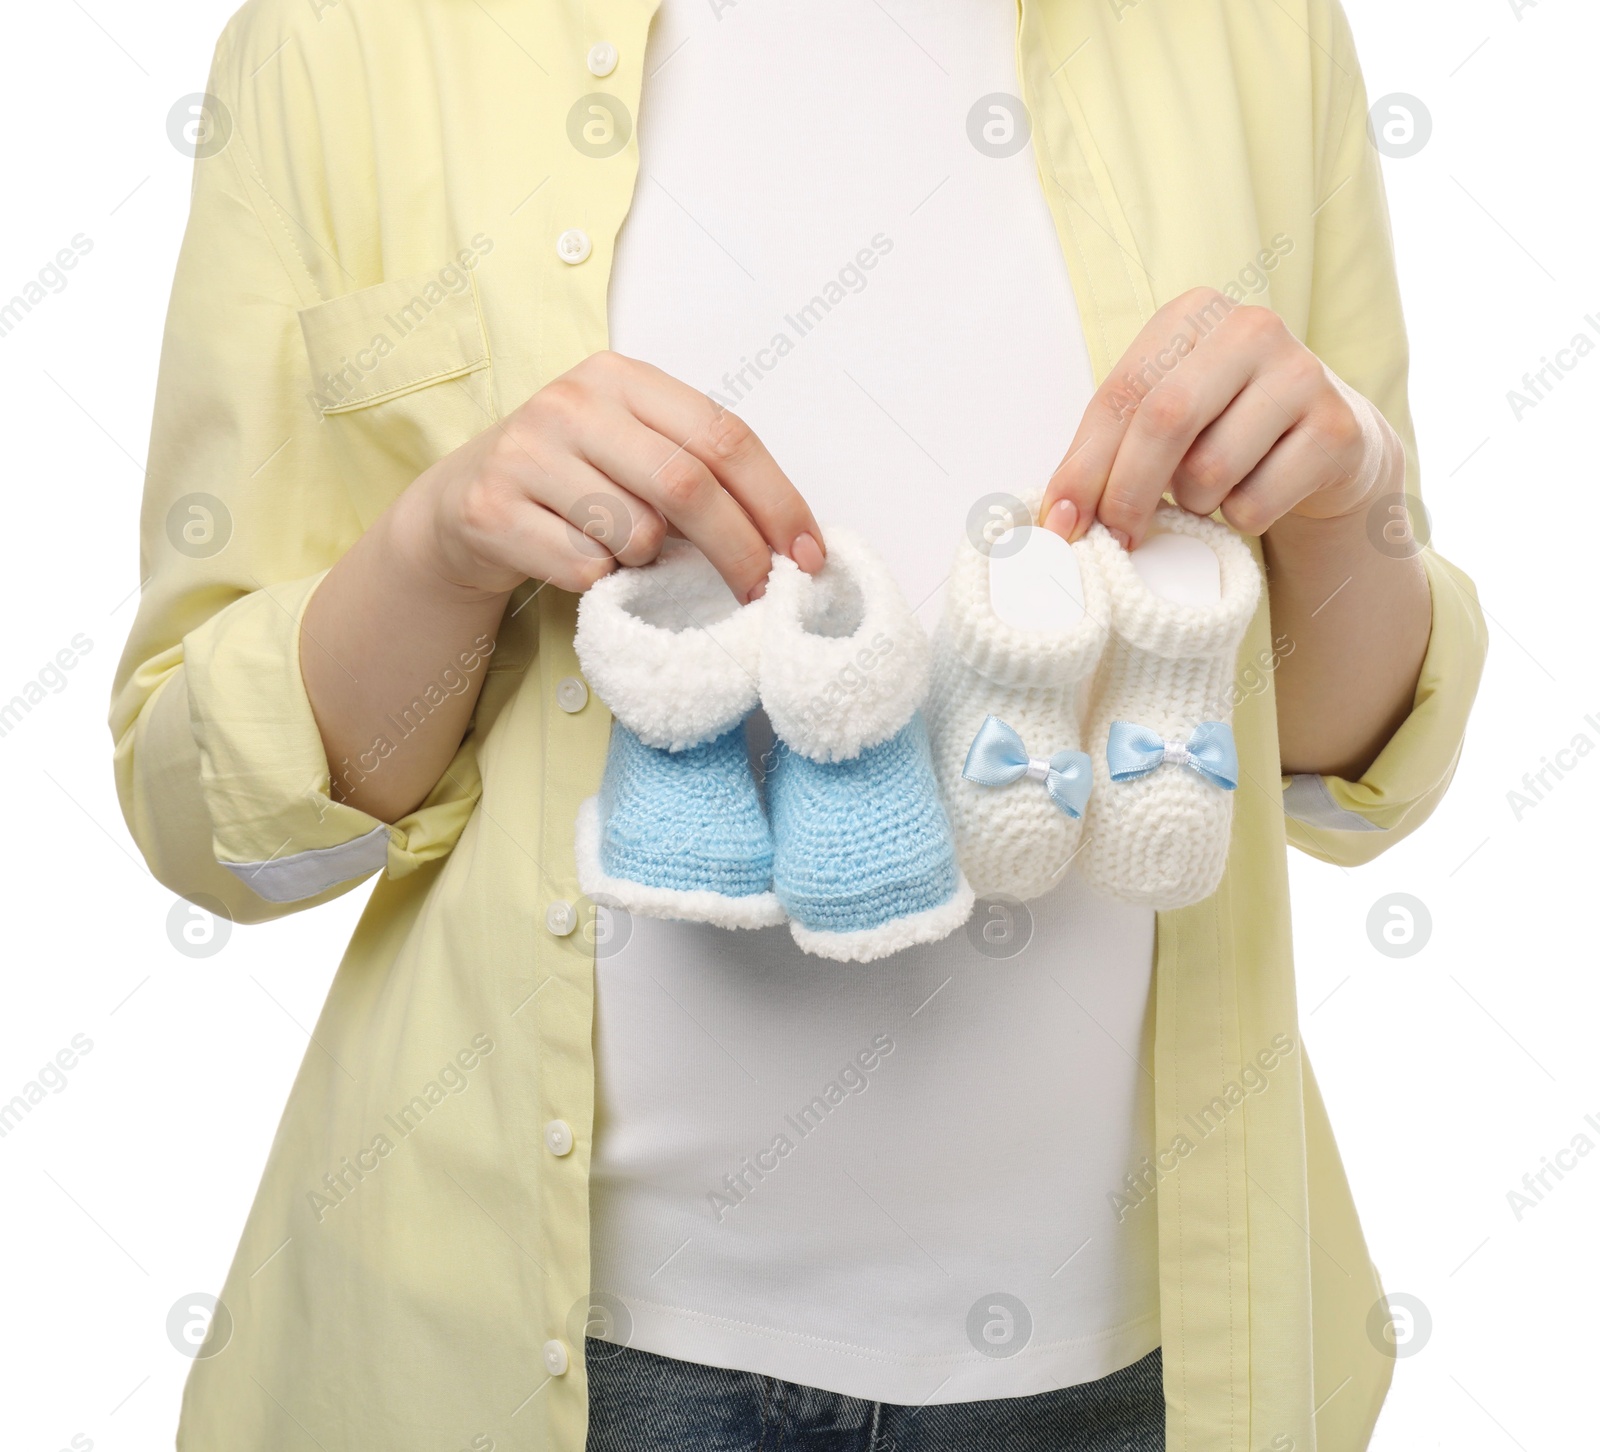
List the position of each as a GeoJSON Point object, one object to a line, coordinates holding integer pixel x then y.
{"type": "Point", "coordinates": [1135, 751]}
{"type": "Point", "coordinates": [998, 757]}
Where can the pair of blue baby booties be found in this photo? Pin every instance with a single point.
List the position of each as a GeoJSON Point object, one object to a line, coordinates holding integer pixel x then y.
{"type": "Point", "coordinates": [837, 828]}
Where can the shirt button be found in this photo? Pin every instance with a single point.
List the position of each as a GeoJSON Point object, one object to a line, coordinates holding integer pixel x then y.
{"type": "Point", "coordinates": [602, 58]}
{"type": "Point", "coordinates": [558, 1137]}
{"type": "Point", "coordinates": [571, 694]}
{"type": "Point", "coordinates": [555, 1358]}
{"type": "Point", "coordinates": [561, 918]}
{"type": "Point", "coordinates": [573, 245]}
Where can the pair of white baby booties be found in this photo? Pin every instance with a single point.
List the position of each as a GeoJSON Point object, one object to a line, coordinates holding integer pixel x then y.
{"type": "Point", "coordinates": [1103, 747]}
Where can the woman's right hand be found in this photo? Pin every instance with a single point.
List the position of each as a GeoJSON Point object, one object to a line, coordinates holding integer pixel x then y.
{"type": "Point", "coordinates": [591, 472]}
{"type": "Point", "coordinates": [595, 470]}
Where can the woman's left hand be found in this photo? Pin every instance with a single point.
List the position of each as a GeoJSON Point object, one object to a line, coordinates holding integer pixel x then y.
{"type": "Point", "coordinates": [1223, 407]}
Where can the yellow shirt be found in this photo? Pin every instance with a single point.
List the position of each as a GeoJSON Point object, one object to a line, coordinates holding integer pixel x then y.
{"type": "Point", "coordinates": [375, 271]}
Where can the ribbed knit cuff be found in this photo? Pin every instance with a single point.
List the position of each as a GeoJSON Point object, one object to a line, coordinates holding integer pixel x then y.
{"type": "Point", "coordinates": [1144, 621]}
{"type": "Point", "coordinates": [1008, 656]}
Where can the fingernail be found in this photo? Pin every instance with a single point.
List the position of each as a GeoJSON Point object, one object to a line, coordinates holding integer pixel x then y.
{"type": "Point", "coordinates": [1120, 536]}
{"type": "Point", "coordinates": [1063, 518]}
{"type": "Point", "coordinates": [807, 553]}
{"type": "Point", "coordinates": [757, 593]}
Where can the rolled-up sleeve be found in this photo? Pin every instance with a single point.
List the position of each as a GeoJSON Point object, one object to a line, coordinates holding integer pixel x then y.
{"type": "Point", "coordinates": [220, 766]}
{"type": "Point", "coordinates": [1356, 326]}
{"type": "Point", "coordinates": [264, 775]}
{"type": "Point", "coordinates": [1350, 822]}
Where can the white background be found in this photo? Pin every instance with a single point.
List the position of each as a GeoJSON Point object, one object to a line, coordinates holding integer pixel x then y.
{"type": "Point", "coordinates": [1449, 1074]}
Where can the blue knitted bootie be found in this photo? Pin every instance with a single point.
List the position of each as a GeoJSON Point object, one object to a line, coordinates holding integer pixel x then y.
{"type": "Point", "coordinates": [680, 834]}
{"type": "Point", "coordinates": [866, 864]}
{"type": "Point", "coordinates": [864, 860]}
{"type": "Point", "coordinates": [677, 829]}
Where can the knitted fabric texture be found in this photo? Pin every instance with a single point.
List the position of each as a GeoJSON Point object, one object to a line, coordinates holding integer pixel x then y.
{"type": "Point", "coordinates": [843, 661]}
{"type": "Point", "coordinates": [670, 651]}
{"type": "Point", "coordinates": [1012, 840]}
{"type": "Point", "coordinates": [1162, 839]}
{"type": "Point", "coordinates": [865, 865]}
{"type": "Point", "coordinates": [679, 834]}
{"type": "Point", "coordinates": [678, 829]}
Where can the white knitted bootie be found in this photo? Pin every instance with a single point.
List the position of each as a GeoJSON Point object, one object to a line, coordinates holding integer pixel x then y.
{"type": "Point", "coordinates": [1005, 713]}
{"type": "Point", "coordinates": [1165, 767]}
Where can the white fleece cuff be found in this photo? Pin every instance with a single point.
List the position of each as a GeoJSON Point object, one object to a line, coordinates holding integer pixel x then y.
{"type": "Point", "coordinates": [669, 650]}
{"type": "Point", "coordinates": [844, 663]}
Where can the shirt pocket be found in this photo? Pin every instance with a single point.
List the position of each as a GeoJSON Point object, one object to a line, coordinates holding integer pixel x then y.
{"type": "Point", "coordinates": [400, 373]}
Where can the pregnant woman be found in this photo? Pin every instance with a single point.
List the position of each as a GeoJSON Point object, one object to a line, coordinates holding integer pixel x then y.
{"type": "Point", "coordinates": [481, 302]}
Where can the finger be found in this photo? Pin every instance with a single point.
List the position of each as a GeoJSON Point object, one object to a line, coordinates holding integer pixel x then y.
{"type": "Point", "coordinates": [549, 474]}
{"type": "Point", "coordinates": [1295, 468]}
{"type": "Point", "coordinates": [608, 518]}
{"type": "Point", "coordinates": [1072, 497]}
{"type": "Point", "coordinates": [544, 546]}
{"type": "Point", "coordinates": [1073, 493]}
{"type": "Point", "coordinates": [676, 483]}
{"type": "Point", "coordinates": [736, 457]}
{"type": "Point", "coordinates": [1229, 447]}
{"type": "Point", "coordinates": [1165, 425]}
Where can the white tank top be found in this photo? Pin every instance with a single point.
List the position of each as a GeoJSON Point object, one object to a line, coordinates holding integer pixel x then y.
{"type": "Point", "coordinates": [893, 1181]}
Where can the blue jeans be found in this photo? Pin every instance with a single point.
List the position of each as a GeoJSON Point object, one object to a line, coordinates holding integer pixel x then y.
{"type": "Point", "coordinates": [640, 1402]}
